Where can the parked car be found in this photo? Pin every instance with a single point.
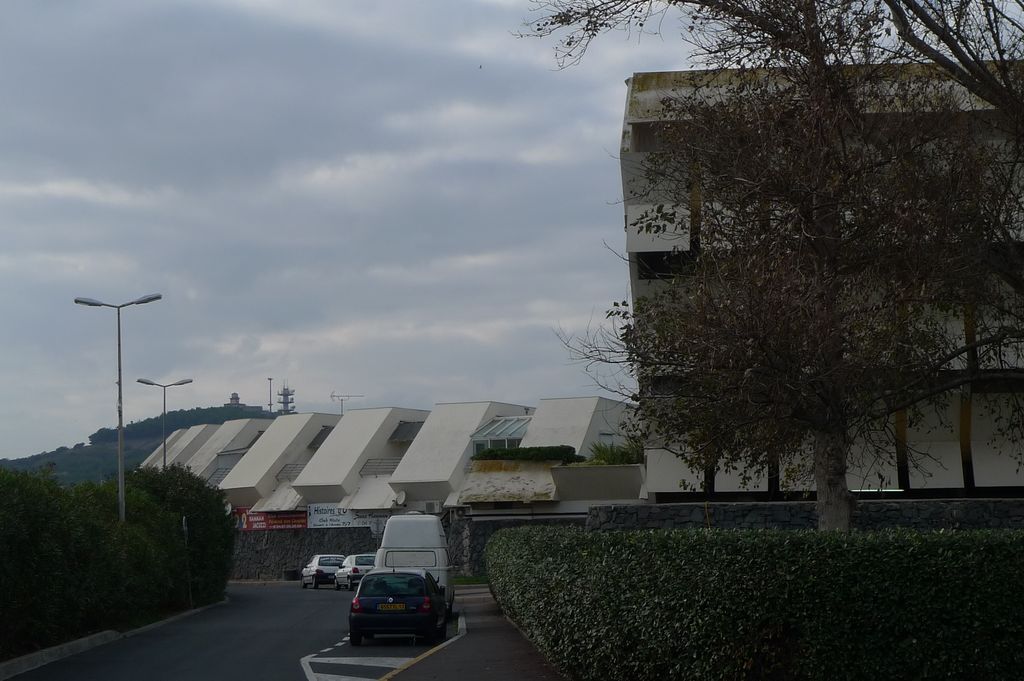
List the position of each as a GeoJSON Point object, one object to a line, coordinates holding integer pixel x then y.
{"type": "Point", "coordinates": [352, 570]}
{"type": "Point", "coordinates": [402, 601]}
{"type": "Point", "coordinates": [321, 569]}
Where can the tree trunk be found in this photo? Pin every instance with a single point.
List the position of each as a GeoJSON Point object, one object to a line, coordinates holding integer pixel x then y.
{"type": "Point", "coordinates": [835, 503]}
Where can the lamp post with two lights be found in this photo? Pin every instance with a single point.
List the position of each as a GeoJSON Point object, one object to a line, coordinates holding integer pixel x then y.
{"type": "Point", "coordinates": [163, 417]}
{"type": "Point", "coordinates": [91, 302]}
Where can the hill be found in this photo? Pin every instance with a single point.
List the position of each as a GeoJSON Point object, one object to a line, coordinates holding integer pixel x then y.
{"type": "Point", "coordinates": [97, 461]}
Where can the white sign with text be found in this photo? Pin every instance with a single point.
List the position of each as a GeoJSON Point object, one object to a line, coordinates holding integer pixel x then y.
{"type": "Point", "coordinates": [329, 515]}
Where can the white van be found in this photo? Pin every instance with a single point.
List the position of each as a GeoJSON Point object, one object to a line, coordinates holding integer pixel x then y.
{"type": "Point", "coordinates": [415, 539]}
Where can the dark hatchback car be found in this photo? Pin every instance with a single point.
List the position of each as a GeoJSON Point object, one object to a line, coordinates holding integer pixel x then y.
{"type": "Point", "coordinates": [402, 601]}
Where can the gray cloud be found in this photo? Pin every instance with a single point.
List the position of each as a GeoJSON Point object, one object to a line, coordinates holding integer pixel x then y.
{"type": "Point", "coordinates": [400, 200]}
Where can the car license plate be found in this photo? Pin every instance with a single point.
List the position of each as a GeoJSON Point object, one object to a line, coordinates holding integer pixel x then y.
{"type": "Point", "coordinates": [391, 606]}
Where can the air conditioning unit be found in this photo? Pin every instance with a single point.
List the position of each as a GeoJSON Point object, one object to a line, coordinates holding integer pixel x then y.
{"type": "Point", "coordinates": [433, 507]}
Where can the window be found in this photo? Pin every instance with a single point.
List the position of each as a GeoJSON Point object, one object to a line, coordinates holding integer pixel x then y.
{"type": "Point", "coordinates": [399, 558]}
{"type": "Point", "coordinates": [503, 443]}
{"type": "Point", "coordinates": [502, 432]}
{"type": "Point", "coordinates": [320, 437]}
{"type": "Point", "coordinates": [665, 264]}
{"type": "Point", "coordinates": [660, 136]}
{"type": "Point", "coordinates": [397, 584]}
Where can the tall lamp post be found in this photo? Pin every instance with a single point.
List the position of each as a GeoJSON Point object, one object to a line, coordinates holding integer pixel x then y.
{"type": "Point", "coordinates": [91, 302]}
{"type": "Point", "coordinates": [163, 417]}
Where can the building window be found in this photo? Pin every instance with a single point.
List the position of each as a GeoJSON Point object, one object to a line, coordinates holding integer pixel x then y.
{"type": "Point", "coordinates": [501, 443]}
{"type": "Point", "coordinates": [320, 437]}
{"type": "Point", "coordinates": [665, 264]}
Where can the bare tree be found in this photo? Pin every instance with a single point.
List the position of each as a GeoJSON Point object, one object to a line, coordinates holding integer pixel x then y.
{"type": "Point", "coordinates": [852, 207]}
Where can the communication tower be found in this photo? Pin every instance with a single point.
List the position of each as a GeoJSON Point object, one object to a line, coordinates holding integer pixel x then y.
{"type": "Point", "coordinates": [287, 403]}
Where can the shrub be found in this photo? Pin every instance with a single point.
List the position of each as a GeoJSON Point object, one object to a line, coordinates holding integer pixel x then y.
{"type": "Point", "coordinates": [715, 605]}
{"type": "Point", "coordinates": [36, 539]}
{"type": "Point", "coordinates": [563, 453]}
{"type": "Point", "coordinates": [211, 529]}
{"type": "Point", "coordinates": [68, 567]}
{"type": "Point", "coordinates": [605, 454]}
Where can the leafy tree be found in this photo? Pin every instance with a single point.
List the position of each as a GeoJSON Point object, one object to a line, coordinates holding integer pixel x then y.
{"type": "Point", "coordinates": [210, 528]}
{"type": "Point", "coordinates": [845, 210]}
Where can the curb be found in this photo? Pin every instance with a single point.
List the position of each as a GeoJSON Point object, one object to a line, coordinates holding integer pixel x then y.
{"type": "Point", "coordinates": [20, 665]}
{"type": "Point", "coordinates": [40, 658]}
{"type": "Point", "coordinates": [173, 618]}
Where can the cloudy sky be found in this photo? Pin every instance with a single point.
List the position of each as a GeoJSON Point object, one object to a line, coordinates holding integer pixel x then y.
{"type": "Point", "coordinates": [396, 199]}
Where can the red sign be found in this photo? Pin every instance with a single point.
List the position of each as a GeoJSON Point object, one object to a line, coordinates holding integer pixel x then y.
{"type": "Point", "coordinates": [266, 520]}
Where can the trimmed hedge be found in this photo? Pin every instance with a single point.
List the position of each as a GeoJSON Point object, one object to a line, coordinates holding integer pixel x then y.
{"type": "Point", "coordinates": [722, 604]}
{"type": "Point", "coordinates": [563, 453]}
{"type": "Point", "coordinates": [68, 567]}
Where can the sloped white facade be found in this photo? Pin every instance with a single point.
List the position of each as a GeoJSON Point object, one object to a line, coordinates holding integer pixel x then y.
{"type": "Point", "coordinates": [576, 421]}
{"type": "Point", "coordinates": [435, 464]}
{"type": "Point", "coordinates": [156, 459]}
{"type": "Point", "coordinates": [287, 442]}
{"type": "Point", "coordinates": [226, 446]}
{"type": "Point", "coordinates": [185, 446]}
{"type": "Point", "coordinates": [362, 435]}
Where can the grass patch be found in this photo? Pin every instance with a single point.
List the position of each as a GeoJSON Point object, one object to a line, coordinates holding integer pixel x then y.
{"type": "Point", "coordinates": [471, 579]}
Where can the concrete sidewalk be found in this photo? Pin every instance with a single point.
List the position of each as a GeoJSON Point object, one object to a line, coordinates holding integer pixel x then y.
{"type": "Point", "coordinates": [491, 650]}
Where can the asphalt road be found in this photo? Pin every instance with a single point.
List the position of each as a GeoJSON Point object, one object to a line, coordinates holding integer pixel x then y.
{"type": "Point", "coordinates": [273, 632]}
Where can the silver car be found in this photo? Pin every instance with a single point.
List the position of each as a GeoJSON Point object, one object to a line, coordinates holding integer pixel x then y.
{"type": "Point", "coordinates": [352, 570]}
{"type": "Point", "coordinates": [321, 569]}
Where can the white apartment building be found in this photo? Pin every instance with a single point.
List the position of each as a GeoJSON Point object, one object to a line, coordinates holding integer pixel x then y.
{"type": "Point", "coordinates": [182, 445]}
{"type": "Point", "coordinates": [547, 488]}
{"type": "Point", "coordinates": [432, 470]}
{"type": "Point", "coordinates": [157, 457]}
{"type": "Point", "coordinates": [354, 465]}
{"type": "Point", "coordinates": [958, 455]}
{"type": "Point", "coordinates": [225, 448]}
{"type": "Point", "coordinates": [262, 479]}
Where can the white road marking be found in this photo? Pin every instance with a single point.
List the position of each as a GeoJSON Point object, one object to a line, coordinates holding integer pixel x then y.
{"type": "Point", "coordinates": [327, 649]}
{"type": "Point", "coordinates": [307, 670]}
{"type": "Point", "coordinates": [389, 662]}
{"type": "Point", "coordinates": [335, 677]}
{"type": "Point", "coordinates": [461, 632]}
{"type": "Point", "coordinates": [368, 662]}
{"type": "Point", "coordinates": [397, 664]}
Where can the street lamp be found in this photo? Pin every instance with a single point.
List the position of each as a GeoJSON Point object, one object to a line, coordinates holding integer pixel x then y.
{"type": "Point", "coordinates": [92, 302]}
{"type": "Point", "coordinates": [163, 418]}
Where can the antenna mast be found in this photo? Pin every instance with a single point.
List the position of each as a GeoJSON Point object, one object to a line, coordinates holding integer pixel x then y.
{"type": "Point", "coordinates": [340, 399]}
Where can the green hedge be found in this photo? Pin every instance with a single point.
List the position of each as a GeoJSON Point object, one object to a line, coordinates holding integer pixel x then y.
{"type": "Point", "coordinates": [68, 567]}
{"type": "Point", "coordinates": [743, 605]}
{"type": "Point", "coordinates": [563, 453]}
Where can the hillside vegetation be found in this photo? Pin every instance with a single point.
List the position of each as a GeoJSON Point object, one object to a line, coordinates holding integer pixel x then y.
{"type": "Point", "coordinates": [97, 460]}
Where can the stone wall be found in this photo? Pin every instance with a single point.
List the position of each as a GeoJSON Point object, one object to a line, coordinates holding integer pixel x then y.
{"type": "Point", "coordinates": [918, 514]}
{"type": "Point", "coordinates": [468, 535]}
{"type": "Point", "coordinates": [268, 554]}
